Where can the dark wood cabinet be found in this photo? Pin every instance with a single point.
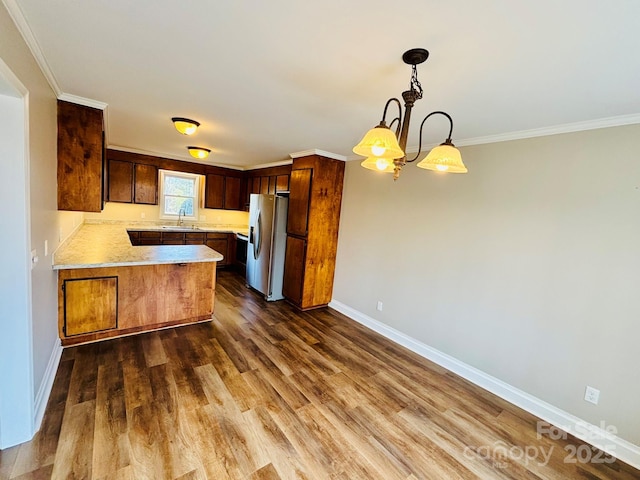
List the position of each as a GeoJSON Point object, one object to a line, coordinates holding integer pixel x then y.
{"type": "Point", "coordinates": [120, 181]}
{"type": "Point", "coordinates": [80, 157]}
{"type": "Point", "coordinates": [223, 243]}
{"type": "Point", "coordinates": [145, 181]}
{"type": "Point", "coordinates": [282, 183]}
{"type": "Point", "coordinates": [214, 196]}
{"type": "Point", "coordinates": [315, 197]}
{"type": "Point", "coordinates": [132, 182]}
{"type": "Point", "coordinates": [220, 242]}
{"type": "Point", "coordinates": [232, 193]}
{"type": "Point", "coordinates": [295, 261]}
{"type": "Point", "coordinates": [299, 197]}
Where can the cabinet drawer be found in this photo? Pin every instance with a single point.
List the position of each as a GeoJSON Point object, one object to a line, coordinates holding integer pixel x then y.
{"type": "Point", "coordinates": [149, 234]}
{"type": "Point", "coordinates": [194, 238]}
{"type": "Point", "coordinates": [172, 238]}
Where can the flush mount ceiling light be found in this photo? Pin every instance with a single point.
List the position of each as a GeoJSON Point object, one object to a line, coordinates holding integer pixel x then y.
{"type": "Point", "coordinates": [185, 125]}
{"type": "Point", "coordinates": [385, 149]}
{"type": "Point", "coordinates": [199, 152]}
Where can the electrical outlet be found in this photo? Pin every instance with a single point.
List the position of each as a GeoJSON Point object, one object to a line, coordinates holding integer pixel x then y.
{"type": "Point", "coordinates": [379, 306]}
{"type": "Point", "coordinates": [592, 395]}
{"type": "Point", "coordinates": [143, 215]}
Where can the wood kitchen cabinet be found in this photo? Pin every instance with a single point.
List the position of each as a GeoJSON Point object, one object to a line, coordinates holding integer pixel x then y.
{"type": "Point", "coordinates": [214, 191]}
{"type": "Point", "coordinates": [80, 157]}
{"type": "Point", "coordinates": [223, 243]}
{"type": "Point", "coordinates": [132, 183]}
{"type": "Point", "coordinates": [315, 198]}
{"type": "Point", "coordinates": [145, 184]}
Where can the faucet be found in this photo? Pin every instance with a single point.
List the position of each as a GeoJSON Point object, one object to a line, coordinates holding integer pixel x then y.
{"type": "Point", "coordinates": [181, 212]}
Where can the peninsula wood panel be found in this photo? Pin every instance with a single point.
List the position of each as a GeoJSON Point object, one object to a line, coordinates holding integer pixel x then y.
{"type": "Point", "coordinates": [80, 158]}
{"type": "Point", "coordinates": [149, 296]}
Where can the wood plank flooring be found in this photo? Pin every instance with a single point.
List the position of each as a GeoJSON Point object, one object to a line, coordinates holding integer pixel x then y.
{"type": "Point", "coordinates": [265, 392]}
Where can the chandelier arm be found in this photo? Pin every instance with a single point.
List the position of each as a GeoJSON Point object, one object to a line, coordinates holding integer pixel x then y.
{"type": "Point", "coordinates": [386, 107]}
{"type": "Point", "coordinates": [397, 119]}
{"type": "Point", "coordinates": [448, 140]}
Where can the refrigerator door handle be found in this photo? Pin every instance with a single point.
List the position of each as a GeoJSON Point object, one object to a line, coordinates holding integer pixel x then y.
{"type": "Point", "coordinates": [258, 236]}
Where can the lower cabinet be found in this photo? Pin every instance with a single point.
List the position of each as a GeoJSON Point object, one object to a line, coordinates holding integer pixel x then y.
{"type": "Point", "coordinates": [223, 243]}
{"type": "Point", "coordinates": [89, 305]}
{"type": "Point", "coordinates": [294, 261]}
{"type": "Point", "coordinates": [98, 303]}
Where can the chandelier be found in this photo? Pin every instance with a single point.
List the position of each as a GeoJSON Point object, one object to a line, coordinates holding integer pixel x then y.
{"type": "Point", "coordinates": [385, 149]}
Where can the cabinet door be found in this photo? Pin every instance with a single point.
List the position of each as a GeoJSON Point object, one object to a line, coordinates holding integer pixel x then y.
{"type": "Point", "coordinates": [80, 158]}
{"type": "Point", "coordinates": [146, 184]}
{"type": "Point", "coordinates": [220, 243]}
{"type": "Point", "coordinates": [214, 195]}
{"type": "Point", "coordinates": [282, 183]}
{"type": "Point", "coordinates": [294, 260]}
{"type": "Point", "coordinates": [299, 196]}
{"type": "Point", "coordinates": [264, 185]}
{"type": "Point", "coordinates": [255, 185]}
{"type": "Point", "coordinates": [120, 181]}
{"type": "Point", "coordinates": [90, 305]}
{"type": "Point", "coordinates": [232, 193]}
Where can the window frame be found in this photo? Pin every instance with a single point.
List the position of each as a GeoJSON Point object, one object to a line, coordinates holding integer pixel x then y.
{"type": "Point", "coordinates": [197, 179]}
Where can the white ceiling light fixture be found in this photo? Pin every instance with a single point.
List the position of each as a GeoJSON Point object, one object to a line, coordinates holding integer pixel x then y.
{"type": "Point", "coordinates": [185, 126]}
{"type": "Point", "coordinates": [385, 150]}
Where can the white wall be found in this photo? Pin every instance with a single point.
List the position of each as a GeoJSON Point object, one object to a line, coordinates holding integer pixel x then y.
{"type": "Point", "coordinates": [526, 268]}
{"type": "Point", "coordinates": [46, 223]}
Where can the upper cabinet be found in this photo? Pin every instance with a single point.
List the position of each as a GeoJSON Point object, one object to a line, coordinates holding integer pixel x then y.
{"type": "Point", "coordinates": [269, 180]}
{"type": "Point", "coordinates": [80, 157]}
{"type": "Point", "coordinates": [132, 182]}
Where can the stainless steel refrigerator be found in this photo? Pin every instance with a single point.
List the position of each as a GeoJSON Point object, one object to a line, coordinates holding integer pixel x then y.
{"type": "Point", "coordinates": [267, 242]}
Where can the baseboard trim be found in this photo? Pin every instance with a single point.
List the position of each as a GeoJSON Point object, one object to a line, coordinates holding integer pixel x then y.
{"type": "Point", "coordinates": [46, 385]}
{"type": "Point", "coordinates": [587, 432]}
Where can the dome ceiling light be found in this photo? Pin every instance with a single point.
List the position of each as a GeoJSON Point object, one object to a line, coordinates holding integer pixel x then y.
{"type": "Point", "coordinates": [199, 152]}
{"type": "Point", "coordinates": [185, 126]}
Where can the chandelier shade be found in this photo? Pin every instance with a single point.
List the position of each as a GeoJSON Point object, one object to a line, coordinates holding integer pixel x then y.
{"type": "Point", "coordinates": [379, 164]}
{"type": "Point", "coordinates": [444, 158]}
{"type": "Point", "coordinates": [379, 142]}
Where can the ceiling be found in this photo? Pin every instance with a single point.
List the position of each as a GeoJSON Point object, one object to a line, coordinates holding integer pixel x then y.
{"type": "Point", "coordinates": [266, 79]}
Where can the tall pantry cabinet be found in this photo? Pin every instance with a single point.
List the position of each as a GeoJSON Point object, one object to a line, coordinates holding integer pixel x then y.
{"type": "Point", "coordinates": [315, 197]}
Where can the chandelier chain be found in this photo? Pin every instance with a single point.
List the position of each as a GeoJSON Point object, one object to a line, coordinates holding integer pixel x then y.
{"type": "Point", "coordinates": [415, 84]}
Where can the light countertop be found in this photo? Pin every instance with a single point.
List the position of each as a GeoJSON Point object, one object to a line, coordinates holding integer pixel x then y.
{"type": "Point", "coordinates": [108, 245]}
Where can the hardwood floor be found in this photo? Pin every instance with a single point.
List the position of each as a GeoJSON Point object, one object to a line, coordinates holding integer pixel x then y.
{"type": "Point", "coordinates": [265, 392]}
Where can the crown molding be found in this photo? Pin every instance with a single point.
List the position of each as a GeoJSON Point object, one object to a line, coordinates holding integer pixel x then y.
{"type": "Point", "coordinates": [608, 122]}
{"type": "Point", "coordinates": [87, 102]}
{"type": "Point", "coordinates": [315, 151]}
{"type": "Point", "coordinates": [15, 12]}
{"type": "Point", "coordinates": [268, 165]}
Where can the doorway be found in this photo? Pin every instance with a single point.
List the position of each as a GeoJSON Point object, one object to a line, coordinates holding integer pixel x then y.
{"type": "Point", "coordinates": [16, 359]}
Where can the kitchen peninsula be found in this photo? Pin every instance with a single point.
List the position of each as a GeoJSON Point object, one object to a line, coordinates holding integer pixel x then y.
{"type": "Point", "coordinates": [109, 288]}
